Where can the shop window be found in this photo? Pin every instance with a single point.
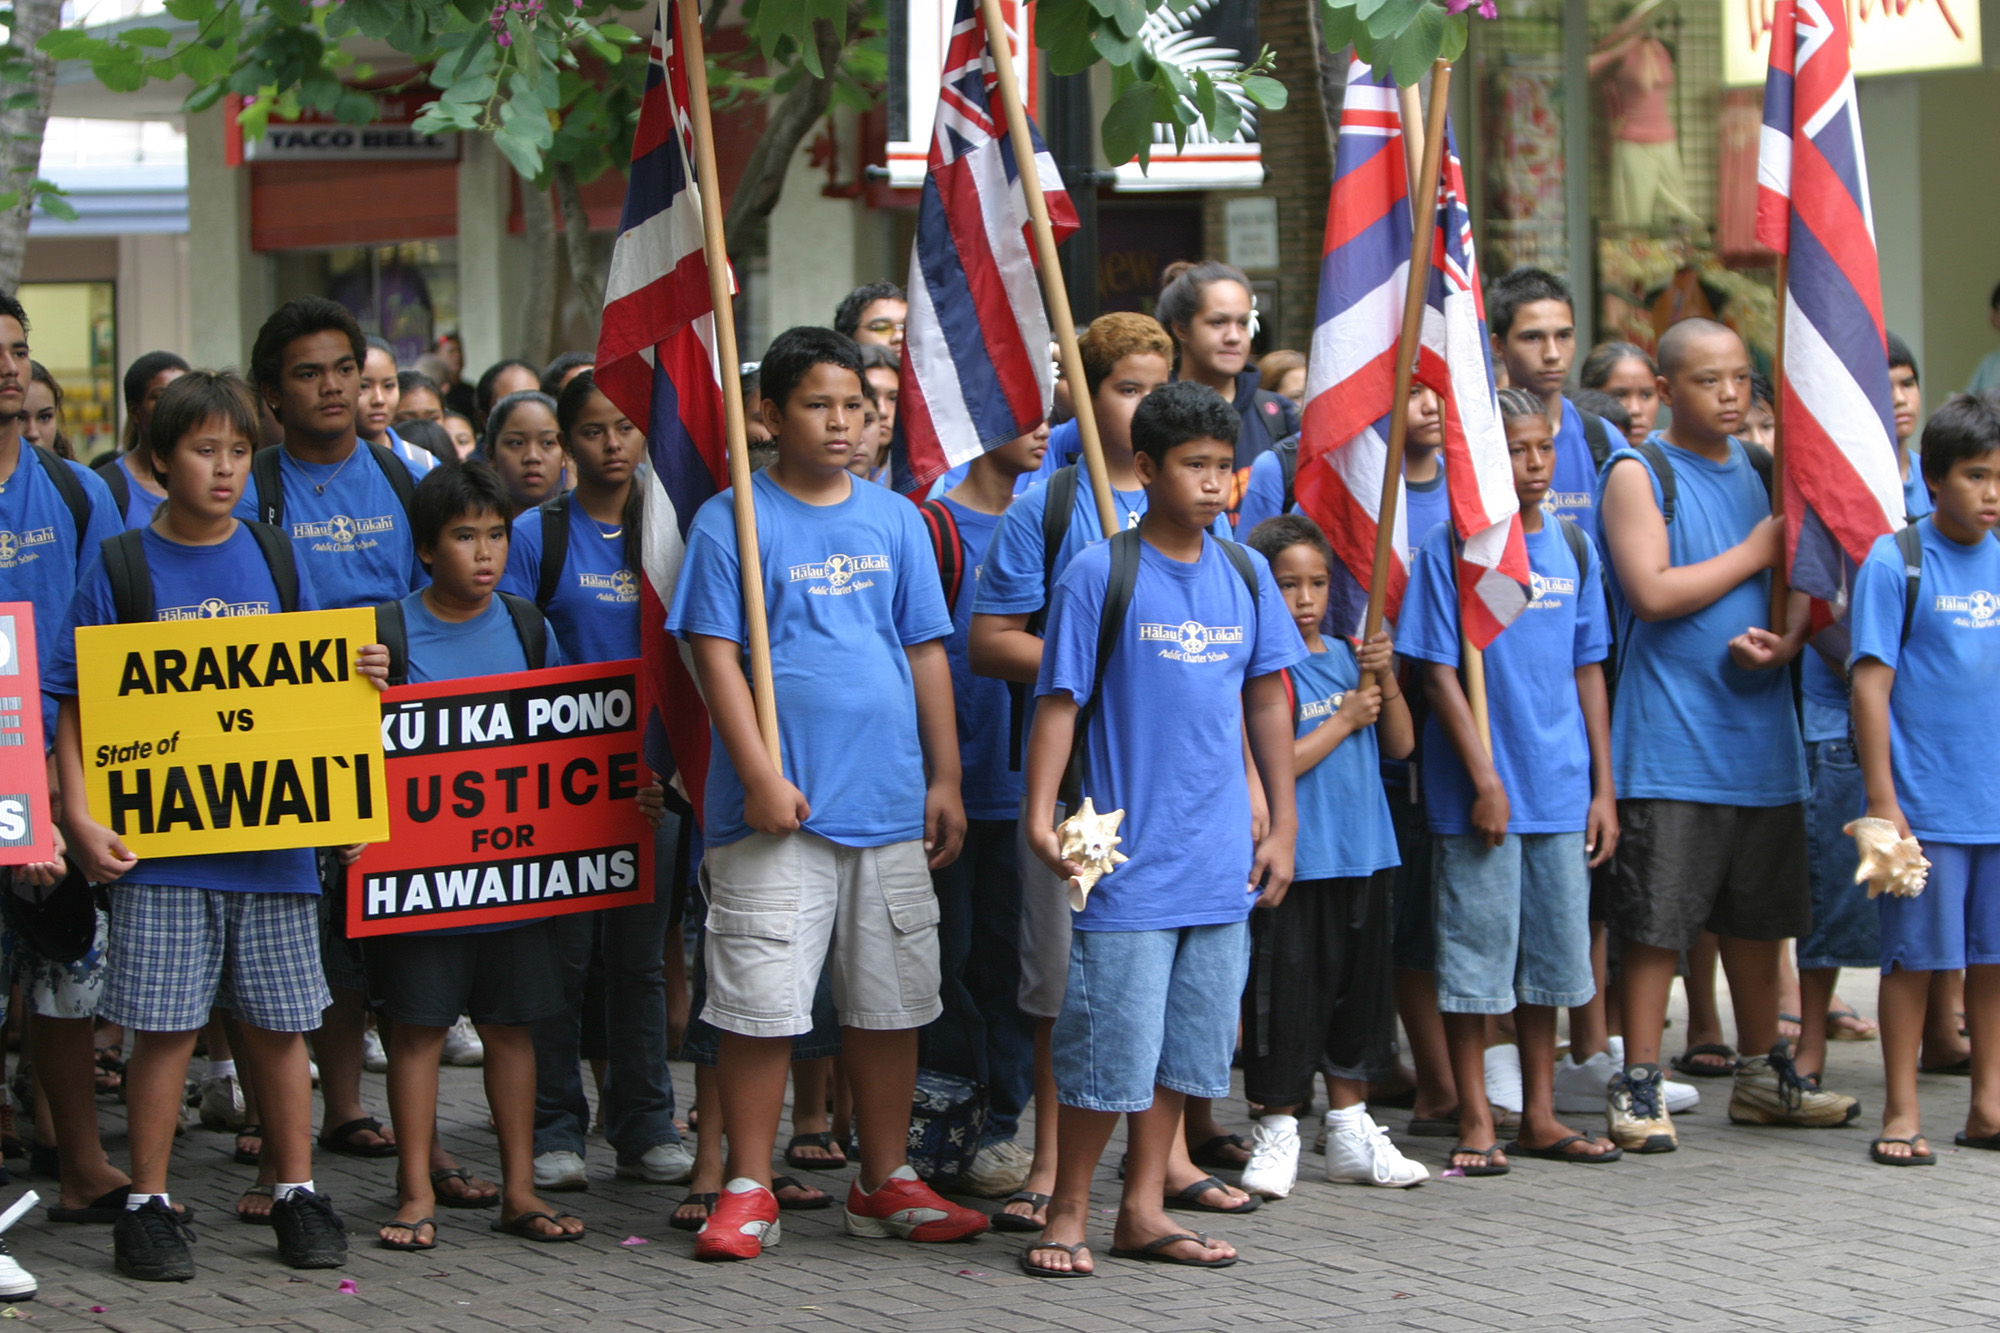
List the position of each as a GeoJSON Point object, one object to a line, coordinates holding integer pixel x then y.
{"type": "Point", "coordinates": [406, 293]}
{"type": "Point", "coordinates": [74, 332]}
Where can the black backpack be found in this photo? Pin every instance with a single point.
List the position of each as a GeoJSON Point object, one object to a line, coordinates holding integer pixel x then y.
{"type": "Point", "coordinates": [70, 489]}
{"type": "Point", "coordinates": [1910, 545]}
{"type": "Point", "coordinates": [394, 632]}
{"type": "Point", "coordinates": [131, 578]}
{"type": "Point", "coordinates": [1117, 601]}
{"type": "Point", "coordinates": [555, 548]}
{"type": "Point", "coordinates": [1656, 458]}
{"type": "Point", "coordinates": [949, 547]}
{"type": "Point", "coordinates": [264, 470]}
{"type": "Point", "coordinates": [120, 484]}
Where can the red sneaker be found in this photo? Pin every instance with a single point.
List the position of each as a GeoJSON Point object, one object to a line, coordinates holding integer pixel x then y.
{"type": "Point", "coordinates": [743, 1221]}
{"type": "Point", "coordinates": [907, 1207]}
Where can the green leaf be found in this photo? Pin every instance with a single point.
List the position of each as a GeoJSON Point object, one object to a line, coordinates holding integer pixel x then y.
{"type": "Point", "coordinates": [203, 64]}
{"type": "Point", "coordinates": [68, 44]}
{"type": "Point", "coordinates": [354, 108]}
{"type": "Point", "coordinates": [1116, 48]}
{"type": "Point", "coordinates": [475, 89]}
{"type": "Point", "coordinates": [527, 158]}
{"type": "Point", "coordinates": [1128, 126]}
{"type": "Point", "coordinates": [1338, 25]}
{"type": "Point", "coordinates": [1417, 46]}
{"type": "Point", "coordinates": [1127, 15]}
{"type": "Point", "coordinates": [57, 207]}
{"type": "Point", "coordinates": [1228, 119]}
{"type": "Point", "coordinates": [1266, 92]}
{"type": "Point", "coordinates": [190, 11]}
{"type": "Point", "coordinates": [1063, 29]}
{"type": "Point", "coordinates": [152, 38]}
{"type": "Point", "coordinates": [204, 97]}
{"type": "Point", "coordinates": [1205, 96]}
{"type": "Point", "coordinates": [120, 75]}
{"type": "Point", "coordinates": [618, 33]}
{"type": "Point", "coordinates": [1454, 37]}
{"type": "Point", "coordinates": [21, 101]}
{"type": "Point", "coordinates": [1392, 17]}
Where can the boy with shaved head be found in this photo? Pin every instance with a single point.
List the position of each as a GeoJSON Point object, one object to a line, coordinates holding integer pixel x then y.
{"type": "Point", "coordinates": [1705, 742]}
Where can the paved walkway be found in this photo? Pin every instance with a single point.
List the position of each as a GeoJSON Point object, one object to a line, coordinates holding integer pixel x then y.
{"type": "Point", "coordinates": [1741, 1229]}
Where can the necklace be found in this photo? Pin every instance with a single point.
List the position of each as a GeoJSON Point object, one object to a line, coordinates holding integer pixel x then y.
{"type": "Point", "coordinates": [319, 487]}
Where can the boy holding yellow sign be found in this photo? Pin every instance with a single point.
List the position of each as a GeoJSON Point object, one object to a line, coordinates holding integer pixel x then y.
{"type": "Point", "coordinates": [236, 929]}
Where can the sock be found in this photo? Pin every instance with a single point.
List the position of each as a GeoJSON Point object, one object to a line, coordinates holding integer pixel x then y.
{"type": "Point", "coordinates": [282, 1191]}
{"type": "Point", "coordinates": [222, 1069]}
{"type": "Point", "coordinates": [135, 1201]}
{"type": "Point", "coordinates": [1277, 1121]}
{"type": "Point", "coordinates": [1347, 1115]}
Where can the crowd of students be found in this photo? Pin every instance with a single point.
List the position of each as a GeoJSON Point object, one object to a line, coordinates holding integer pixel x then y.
{"type": "Point", "coordinates": [1320, 839]}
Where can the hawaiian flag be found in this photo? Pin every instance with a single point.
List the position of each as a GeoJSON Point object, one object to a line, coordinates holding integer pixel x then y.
{"type": "Point", "coordinates": [976, 370]}
{"type": "Point", "coordinates": [1842, 487]}
{"type": "Point", "coordinates": [656, 362]}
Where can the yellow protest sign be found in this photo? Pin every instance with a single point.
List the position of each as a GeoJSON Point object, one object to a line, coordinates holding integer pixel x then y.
{"type": "Point", "coordinates": [234, 734]}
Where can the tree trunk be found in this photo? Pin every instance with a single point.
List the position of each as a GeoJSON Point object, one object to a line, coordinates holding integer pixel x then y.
{"type": "Point", "coordinates": [21, 131]}
{"type": "Point", "coordinates": [585, 279]}
{"type": "Point", "coordinates": [1332, 69]}
{"type": "Point", "coordinates": [538, 299]}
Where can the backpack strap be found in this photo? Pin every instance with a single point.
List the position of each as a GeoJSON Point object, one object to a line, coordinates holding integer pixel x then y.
{"type": "Point", "coordinates": [120, 484]}
{"type": "Point", "coordinates": [393, 633]}
{"type": "Point", "coordinates": [1287, 451]}
{"type": "Point", "coordinates": [284, 563]}
{"type": "Point", "coordinates": [131, 579]}
{"type": "Point", "coordinates": [398, 474]}
{"type": "Point", "coordinates": [1597, 435]}
{"type": "Point", "coordinates": [1579, 549]}
{"type": "Point", "coordinates": [1240, 558]}
{"type": "Point", "coordinates": [1117, 601]}
{"type": "Point", "coordinates": [1760, 458]}
{"type": "Point", "coordinates": [1279, 424]}
{"type": "Point", "coordinates": [555, 547]}
{"type": "Point", "coordinates": [1663, 472]}
{"type": "Point", "coordinates": [949, 548]}
{"type": "Point", "coordinates": [72, 493]}
{"type": "Point", "coordinates": [531, 626]}
{"type": "Point", "coordinates": [1059, 502]}
{"type": "Point", "coordinates": [1910, 545]}
{"type": "Point", "coordinates": [270, 482]}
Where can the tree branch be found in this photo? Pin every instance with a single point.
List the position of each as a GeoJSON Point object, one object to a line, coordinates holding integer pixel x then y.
{"type": "Point", "coordinates": [584, 279]}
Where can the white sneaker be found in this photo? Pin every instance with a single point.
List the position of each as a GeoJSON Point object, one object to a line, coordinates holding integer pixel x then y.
{"type": "Point", "coordinates": [374, 1057]}
{"type": "Point", "coordinates": [462, 1046]}
{"type": "Point", "coordinates": [16, 1282]}
{"type": "Point", "coordinates": [997, 1170]}
{"type": "Point", "coordinates": [1580, 1088]}
{"type": "Point", "coordinates": [222, 1103]}
{"type": "Point", "coordinates": [1273, 1167]}
{"type": "Point", "coordinates": [1503, 1078]}
{"type": "Point", "coordinates": [1358, 1152]}
{"type": "Point", "coordinates": [560, 1173]}
{"type": "Point", "coordinates": [1679, 1097]}
{"type": "Point", "coordinates": [662, 1164]}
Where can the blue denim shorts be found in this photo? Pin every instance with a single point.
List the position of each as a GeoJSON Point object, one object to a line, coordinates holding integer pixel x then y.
{"type": "Point", "coordinates": [1846, 930]}
{"type": "Point", "coordinates": [1955, 921]}
{"type": "Point", "coordinates": [1148, 1008]}
{"type": "Point", "coordinates": [1513, 922]}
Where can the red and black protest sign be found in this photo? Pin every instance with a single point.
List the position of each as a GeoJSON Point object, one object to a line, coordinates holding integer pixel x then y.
{"type": "Point", "coordinates": [510, 797]}
{"type": "Point", "coordinates": [27, 836]}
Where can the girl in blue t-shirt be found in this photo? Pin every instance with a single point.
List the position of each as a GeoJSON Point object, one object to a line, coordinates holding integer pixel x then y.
{"type": "Point", "coordinates": [522, 444]}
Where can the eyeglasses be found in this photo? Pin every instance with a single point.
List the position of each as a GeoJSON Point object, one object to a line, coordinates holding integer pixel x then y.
{"type": "Point", "coordinates": [884, 326]}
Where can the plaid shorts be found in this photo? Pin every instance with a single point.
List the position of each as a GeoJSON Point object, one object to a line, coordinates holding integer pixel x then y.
{"type": "Point", "coordinates": [56, 990]}
{"type": "Point", "coordinates": [178, 952]}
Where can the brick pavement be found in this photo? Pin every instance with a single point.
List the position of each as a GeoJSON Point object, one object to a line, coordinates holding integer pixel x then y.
{"type": "Point", "coordinates": [1742, 1228]}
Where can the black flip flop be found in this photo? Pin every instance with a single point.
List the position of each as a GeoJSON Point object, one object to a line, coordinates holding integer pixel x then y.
{"type": "Point", "coordinates": [1913, 1158]}
{"type": "Point", "coordinates": [1036, 1270]}
{"type": "Point", "coordinates": [1017, 1222]}
{"type": "Point", "coordinates": [1210, 1155]}
{"type": "Point", "coordinates": [1486, 1155]}
{"type": "Point", "coordinates": [262, 1219]}
{"type": "Point", "coordinates": [823, 1141]}
{"type": "Point", "coordinates": [824, 1200]}
{"type": "Point", "coordinates": [1189, 1199]}
{"type": "Point", "coordinates": [340, 1139]}
{"type": "Point", "coordinates": [412, 1243]}
{"type": "Point", "coordinates": [1151, 1252]}
{"type": "Point", "coordinates": [1988, 1143]}
{"type": "Point", "coordinates": [1685, 1062]}
{"type": "Point", "coordinates": [105, 1209]}
{"type": "Point", "coordinates": [1956, 1067]}
{"type": "Point", "coordinates": [517, 1225]}
{"type": "Point", "coordinates": [1554, 1151]}
{"type": "Point", "coordinates": [241, 1157]}
{"type": "Point", "coordinates": [460, 1174]}
{"type": "Point", "coordinates": [679, 1223]}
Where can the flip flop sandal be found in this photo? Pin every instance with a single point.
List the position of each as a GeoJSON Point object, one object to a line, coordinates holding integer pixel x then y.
{"type": "Point", "coordinates": [1912, 1158]}
{"type": "Point", "coordinates": [1189, 1199]}
{"type": "Point", "coordinates": [412, 1227]}
{"type": "Point", "coordinates": [1957, 1067]}
{"type": "Point", "coordinates": [1686, 1063]}
{"type": "Point", "coordinates": [1036, 1270]}
{"type": "Point", "coordinates": [467, 1200]}
{"type": "Point", "coordinates": [1485, 1155]}
{"type": "Point", "coordinates": [521, 1225]}
{"type": "Point", "coordinates": [243, 1156]}
{"type": "Point", "coordinates": [1990, 1143]}
{"type": "Point", "coordinates": [1836, 1032]}
{"type": "Point", "coordinates": [340, 1139]}
{"type": "Point", "coordinates": [679, 1223]}
{"type": "Point", "coordinates": [105, 1209]}
{"type": "Point", "coordinates": [824, 1200]}
{"type": "Point", "coordinates": [262, 1219]}
{"type": "Point", "coordinates": [1153, 1252]}
{"type": "Point", "coordinates": [1019, 1222]}
{"type": "Point", "coordinates": [1210, 1153]}
{"type": "Point", "coordinates": [1558, 1151]}
{"type": "Point", "coordinates": [823, 1141]}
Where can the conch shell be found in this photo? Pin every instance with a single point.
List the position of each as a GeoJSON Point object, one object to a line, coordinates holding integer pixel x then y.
{"type": "Point", "coordinates": [1091, 840]}
{"type": "Point", "coordinates": [1889, 863]}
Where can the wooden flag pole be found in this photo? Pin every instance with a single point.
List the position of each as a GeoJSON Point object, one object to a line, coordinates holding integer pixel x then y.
{"type": "Point", "coordinates": [716, 253]}
{"type": "Point", "coordinates": [1423, 188]}
{"type": "Point", "coordinates": [1054, 292]}
{"type": "Point", "coordinates": [1781, 591]}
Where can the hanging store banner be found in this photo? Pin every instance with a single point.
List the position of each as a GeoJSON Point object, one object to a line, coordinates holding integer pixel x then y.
{"type": "Point", "coordinates": [1890, 37]}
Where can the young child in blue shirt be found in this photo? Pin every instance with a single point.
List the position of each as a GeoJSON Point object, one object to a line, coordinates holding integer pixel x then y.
{"type": "Point", "coordinates": [188, 931]}
{"type": "Point", "coordinates": [1518, 829]}
{"type": "Point", "coordinates": [1160, 949]}
{"type": "Point", "coordinates": [1922, 672]}
{"type": "Point", "coordinates": [1319, 998]}
{"type": "Point", "coordinates": [826, 861]}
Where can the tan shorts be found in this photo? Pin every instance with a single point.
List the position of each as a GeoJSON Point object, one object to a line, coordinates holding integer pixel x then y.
{"type": "Point", "coordinates": [1045, 930]}
{"type": "Point", "coordinates": [781, 907]}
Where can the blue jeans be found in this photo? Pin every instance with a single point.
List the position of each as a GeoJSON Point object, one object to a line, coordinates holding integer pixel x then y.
{"type": "Point", "coordinates": [1846, 929]}
{"type": "Point", "coordinates": [1513, 922]}
{"type": "Point", "coordinates": [982, 1034]}
{"type": "Point", "coordinates": [638, 1089]}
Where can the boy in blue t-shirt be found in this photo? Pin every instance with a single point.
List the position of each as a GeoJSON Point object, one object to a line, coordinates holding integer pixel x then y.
{"type": "Point", "coordinates": [1704, 742]}
{"type": "Point", "coordinates": [1922, 672]}
{"type": "Point", "coordinates": [188, 932]}
{"type": "Point", "coordinates": [1532, 325]}
{"type": "Point", "coordinates": [826, 860]}
{"type": "Point", "coordinates": [1517, 828]}
{"type": "Point", "coordinates": [1319, 998]}
{"type": "Point", "coordinates": [1172, 689]}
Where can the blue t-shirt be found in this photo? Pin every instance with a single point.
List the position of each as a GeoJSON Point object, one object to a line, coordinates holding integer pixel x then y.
{"type": "Point", "coordinates": [1573, 488]}
{"type": "Point", "coordinates": [1263, 492]}
{"type": "Point", "coordinates": [139, 509]}
{"type": "Point", "coordinates": [188, 583]}
{"type": "Point", "coordinates": [1941, 756]}
{"type": "Point", "coordinates": [1690, 724]}
{"type": "Point", "coordinates": [1426, 504]}
{"type": "Point", "coordinates": [354, 536]}
{"type": "Point", "coordinates": [1166, 745]}
{"type": "Point", "coordinates": [848, 588]}
{"type": "Point", "coordinates": [991, 786]}
{"type": "Point", "coordinates": [596, 603]}
{"type": "Point", "coordinates": [1541, 749]}
{"type": "Point", "coordinates": [486, 645]}
{"type": "Point", "coordinates": [41, 558]}
{"type": "Point", "coordinates": [419, 459]}
{"type": "Point", "coordinates": [1344, 828]}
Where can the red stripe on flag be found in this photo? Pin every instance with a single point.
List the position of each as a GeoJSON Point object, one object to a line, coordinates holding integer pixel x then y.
{"type": "Point", "coordinates": [959, 189]}
{"type": "Point", "coordinates": [650, 314]}
{"type": "Point", "coordinates": [1349, 527]}
{"type": "Point", "coordinates": [1381, 180]}
{"type": "Point", "coordinates": [1821, 204]}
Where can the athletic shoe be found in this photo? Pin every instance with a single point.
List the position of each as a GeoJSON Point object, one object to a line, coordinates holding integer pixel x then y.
{"type": "Point", "coordinates": [1679, 1097]}
{"type": "Point", "coordinates": [374, 1056]}
{"type": "Point", "coordinates": [907, 1207]}
{"type": "Point", "coordinates": [997, 1170]}
{"type": "Point", "coordinates": [1273, 1167]}
{"type": "Point", "coordinates": [462, 1046]}
{"type": "Point", "coordinates": [1358, 1152]}
{"type": "Point", "coordinates": [16, 1282]}
{"type": "Point", "coordinates": [1636, 1111]}
{"type": "Point", "coordinates": [310, 1234]}
{"type": "Point", "coordinates": [740, 1224]}
{"type": "Point", "coordinates": [560, 1172]}
{"type": "Point", "coordinates": [661, 1164]}
{"type": "Point", "coordinates": [1503, 1078]}
{"type": "Point", "coordinates": [222, 1103]}
{"type": "Point", "coordinates": [1768, 1091]}
{"type": "Point", "coordinates": [150, 1244]}
{"type": "Point", "coordinates": [1582, 1088]}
